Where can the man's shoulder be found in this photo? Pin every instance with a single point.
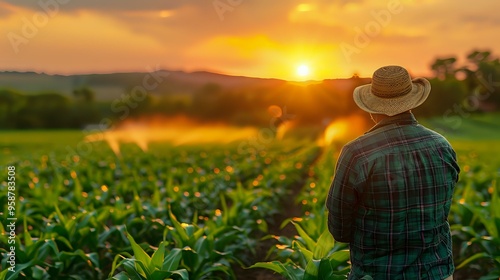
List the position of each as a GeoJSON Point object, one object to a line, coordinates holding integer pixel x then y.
{"type": "Point", "coordinates": [360, 144]}
{"type": "Point", "coordinates": [375, 140]}
{"type": "Point", "coordinates": [367, 139]}
{"type": "Point", "coordinates": [433, 134]}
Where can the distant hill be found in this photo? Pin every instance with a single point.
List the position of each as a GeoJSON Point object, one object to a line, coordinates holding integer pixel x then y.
{"type": "Point", "coordinates": [110, 86]}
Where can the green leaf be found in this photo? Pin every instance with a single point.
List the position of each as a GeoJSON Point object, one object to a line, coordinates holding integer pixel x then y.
{"type": "Point", "coordinates": [307, 239]}
{"type": "Point", "coordinates": [324, 245]}
{"type": "Point", "coordinates": [160, 275]}
{"type": "Point", "coordinates": [225, 208]}
{"type": "Point", "coordinates": [140, 255]}
{"type": "Point", "coordinates": [182, 273]}
{"type": "Point", "coordinates": [3, 274]}
{"type": "Point", "coordinates": [69, 256]}
{"type": "Point", "coordinates": [339, 258]}
{"type": "Point", "coordinates": [275, 266]}
{"type": "Point", "coordinates": [469, 193]}
{"type": "Point", "coordinates": [172, 259]}
{"type": "Point", "coordinates": [19, 269]}
{"type": "Point", "coordinates": [38, 272]}
{"type": "Point", "coordinates": [115, 264]}
{"type": "Point", "coordinates": [178, 227]}
{"type": "Point", "coordinates": [207, 269]}
{"type": "Point", "coordinates": [94, 258]}
{"type": "Point", "coordinates": [121, 276]}
{"type": "Point", "coordinates": [47, 246]}
{"type": "Point", "coordinates": [493, 276]}
{"type": "Point", "coordinates": [312, 270]}
{"type": "Point", "coordinates": [130, 268]}
{"type": "Point", "coordinates": [157, 258]}
{"type": "Point", "coordinates": [77, 189]}
{"type": "Point", "coordinates": [304, 252]}
{"type": "Point", "coordinates": [473, 258]}
{"type": "Point", "coordinates": [335, 275]}
{"type": "Point", "coordinates": [488, 223]}
{"type": "Point", "coordinates": [496, 221]}
{"type": "Point", "coordinates": [325, 270]}
{"type": "Point", "coordinates": [28, 241]}
{"type": "Point", "coordinates": [285, 222]}
{"type": "Point", "coordinates": [201, 247]}
{"type": "Point", "coordinates": [495, 200]}
{"type": "Point", "coordinates": [190, 229]}
{"type": "Point", "coordinates": [64, 241]}
{"type": "Point", "coordinates": [199, 233]}
{"type": "Point", "coordinates": [289, 271]}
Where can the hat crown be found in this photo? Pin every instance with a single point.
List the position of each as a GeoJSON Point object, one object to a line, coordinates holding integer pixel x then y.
{"type": "Point", "coordinates": [391, 81]}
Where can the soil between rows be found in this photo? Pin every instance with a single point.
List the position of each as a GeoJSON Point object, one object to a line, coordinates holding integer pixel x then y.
{"type": "Point", "coordinates": [290, 209]}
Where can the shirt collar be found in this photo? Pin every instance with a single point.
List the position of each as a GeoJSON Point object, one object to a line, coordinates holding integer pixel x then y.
{"type": "Point", "coordinates": [405, 118]}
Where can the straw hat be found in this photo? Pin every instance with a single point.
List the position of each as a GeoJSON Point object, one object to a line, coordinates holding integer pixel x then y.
{"type": "Point", "coordinates": [391, 92]}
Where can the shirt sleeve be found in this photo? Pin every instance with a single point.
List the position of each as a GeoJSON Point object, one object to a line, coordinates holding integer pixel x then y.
{"type": "Point", "coordinates": [455, 165]}
{"type": "Point", "coordinates": [342, 197]}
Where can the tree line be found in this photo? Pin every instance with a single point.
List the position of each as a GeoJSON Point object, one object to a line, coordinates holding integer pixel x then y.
{"type": "Point", "coordinates": [472, 85]}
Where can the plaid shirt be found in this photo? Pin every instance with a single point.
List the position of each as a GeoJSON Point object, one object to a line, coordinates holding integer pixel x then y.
{"type": "Point", "coordinates": [390, 199]}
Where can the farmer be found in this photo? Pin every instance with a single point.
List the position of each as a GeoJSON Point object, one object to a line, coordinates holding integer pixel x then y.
{"type": "Point", "coordinates": [392, 189]}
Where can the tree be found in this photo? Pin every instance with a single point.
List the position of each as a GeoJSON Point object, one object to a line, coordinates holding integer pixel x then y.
{"type": "Point", "coordinates": [84, 111]}
{"type": "Point", "coordinates": [11, 102]}
{"type": "Point", "coordinates": [84, 94]}
{"type": "Point", "coordinates": [45, 110]}
{"type": "Point", "coordinates": [477, 57]}
{"type": "Point", "coordinates": [484, 79]}
{"type": "Point", "coordinates": [444, 68]}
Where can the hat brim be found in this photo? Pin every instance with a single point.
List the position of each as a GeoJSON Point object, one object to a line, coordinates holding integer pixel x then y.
{"type": "Point", "coordinates": [371, 103]}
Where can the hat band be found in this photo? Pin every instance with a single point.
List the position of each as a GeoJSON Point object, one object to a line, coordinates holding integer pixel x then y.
{"type": "Point", "coordinates": [392, 94]}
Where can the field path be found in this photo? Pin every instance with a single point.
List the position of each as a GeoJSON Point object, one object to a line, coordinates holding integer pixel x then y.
{"type": "Point", "coordinates": [290, 208]}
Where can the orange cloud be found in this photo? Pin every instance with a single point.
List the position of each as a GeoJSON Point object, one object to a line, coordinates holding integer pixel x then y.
{"type": "Point", "coordinates": [77, 42]}
{"type": "Point", "coordinates": [257, 38]}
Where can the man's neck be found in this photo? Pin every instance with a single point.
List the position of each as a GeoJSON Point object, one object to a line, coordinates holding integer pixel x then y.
{"type": "Point", "coordinates": [377, 118]}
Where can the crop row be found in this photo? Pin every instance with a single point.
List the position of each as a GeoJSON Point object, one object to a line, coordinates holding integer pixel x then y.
{"type": "Point", "coordinates": [198, 212]}
{"type": "Point", "coordinates": [79, 219]}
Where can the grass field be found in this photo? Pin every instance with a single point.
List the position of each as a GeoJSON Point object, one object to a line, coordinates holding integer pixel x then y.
{"type": "Point", "coordinates": [210, 211]}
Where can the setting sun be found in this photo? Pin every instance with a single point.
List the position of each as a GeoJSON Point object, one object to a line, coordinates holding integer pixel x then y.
{"type": "Point", "coordinates": [303, 70]}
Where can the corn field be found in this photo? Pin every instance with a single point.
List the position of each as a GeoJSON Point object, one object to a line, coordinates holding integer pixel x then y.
{"type": "Point", "coordinates": [206, 211]}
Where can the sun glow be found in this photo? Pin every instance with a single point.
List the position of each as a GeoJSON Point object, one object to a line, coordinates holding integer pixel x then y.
{"type": "Point", "coordinates": [303, 70]}
{"type": "Point", "coordinates": [344, 129]}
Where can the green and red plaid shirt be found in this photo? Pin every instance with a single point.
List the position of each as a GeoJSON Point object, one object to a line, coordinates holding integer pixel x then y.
{"type": "Point", "coordinates": [390, 199]}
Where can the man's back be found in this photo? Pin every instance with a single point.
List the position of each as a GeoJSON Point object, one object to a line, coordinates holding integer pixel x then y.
{"type": "Point", "coordinates": [390, 199]}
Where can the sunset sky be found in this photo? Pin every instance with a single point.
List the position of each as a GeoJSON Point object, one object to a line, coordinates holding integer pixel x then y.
{"type": "Point", "coordinates": [287, 39]}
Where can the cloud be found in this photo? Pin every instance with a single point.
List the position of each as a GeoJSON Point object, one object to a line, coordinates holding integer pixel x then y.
{"type": "Point", "coordinates": [85, 42]}
{"type": "Point", "coordinates": [480, 20]}
{"type": "Point", "coordinates": [253, 37]}
{"type": "Point", "coordinates": [6, 9]}
{"type": "Point", "coordinates": [108, 5]}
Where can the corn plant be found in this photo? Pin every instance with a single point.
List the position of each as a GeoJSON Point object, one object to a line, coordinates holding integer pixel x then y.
{"type": "Point", "coordinates": [306, 258]}
{"type": "Point", "coordinates": [483, 230]}
{"type": "Point", "coordinates": [42, 258]}
{"type": "Point", "coordinates": [196, 252]}
{"type": "Point", "coordinates": [161, 265]}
